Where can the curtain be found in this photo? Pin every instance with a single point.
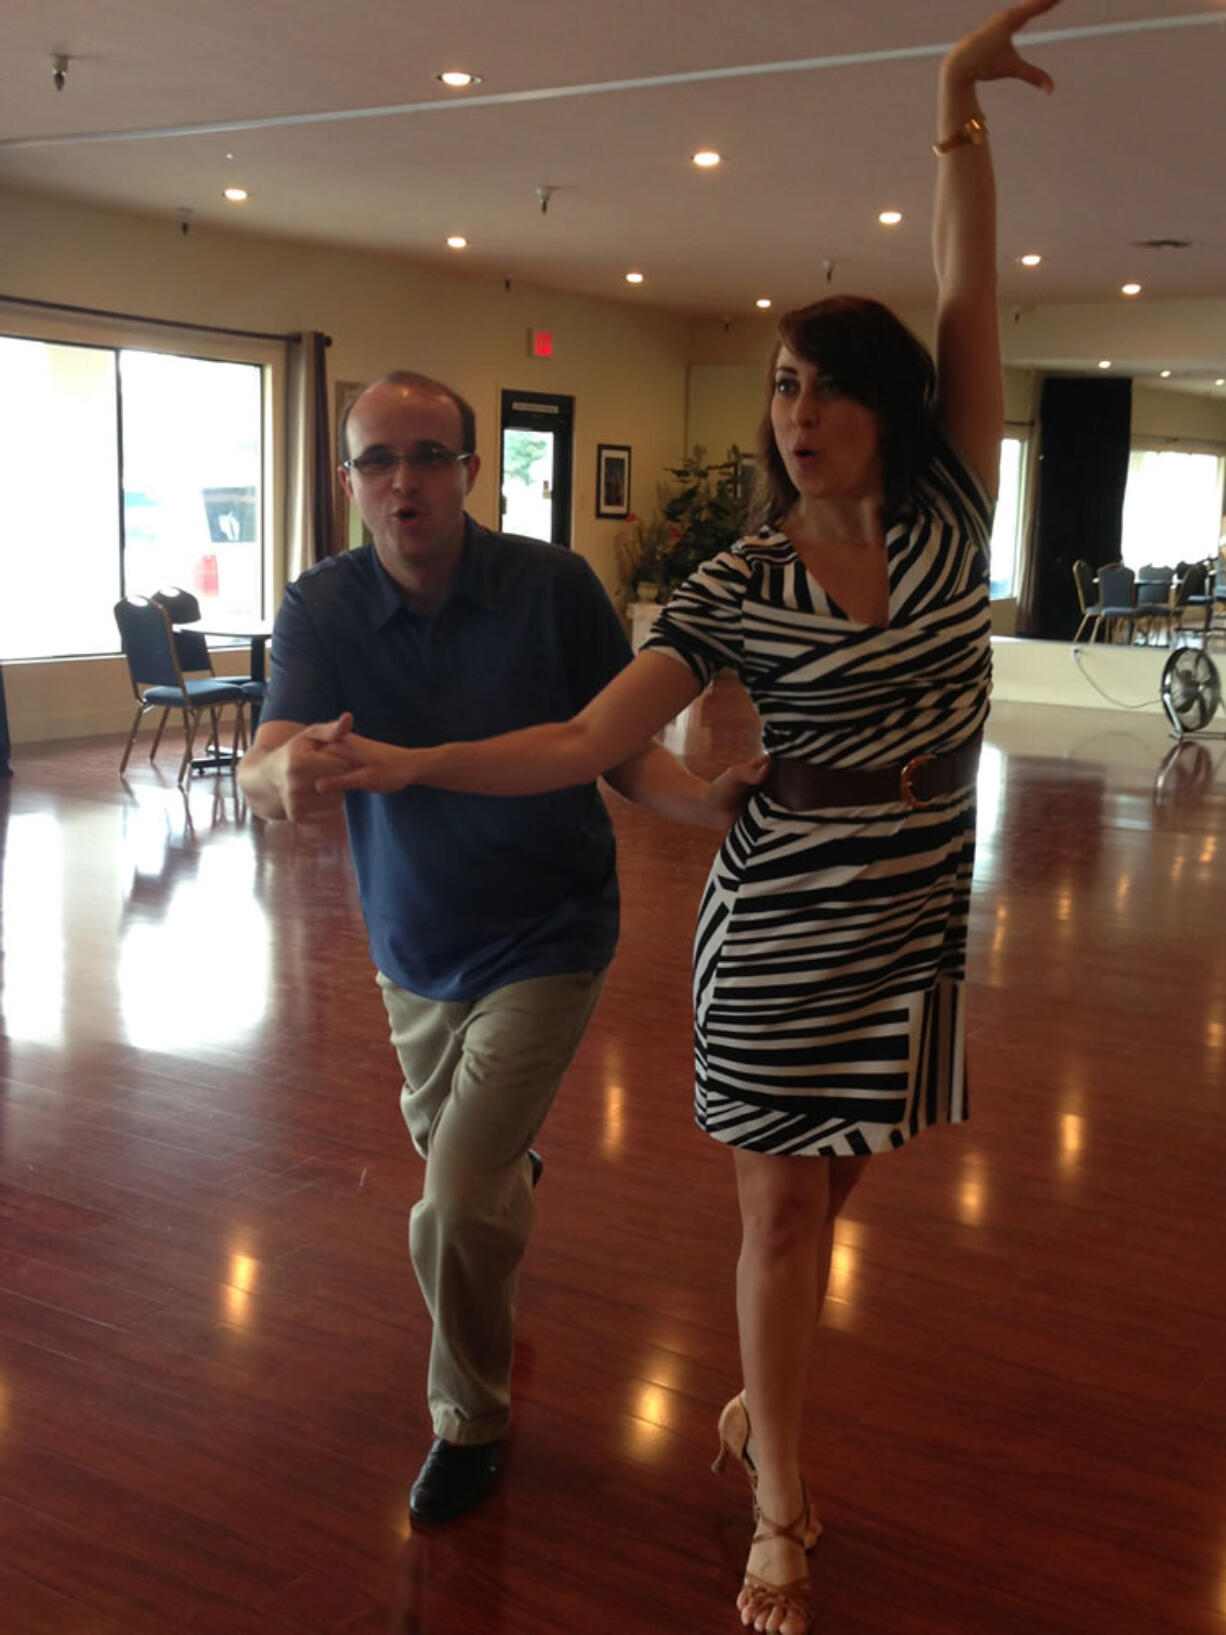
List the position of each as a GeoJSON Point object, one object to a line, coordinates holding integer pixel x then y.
{"type": "Point", "coordinates": [1083, 471]}
{"type": "Point", "coordinates": [1026, 589]}
{"type": "Point", "coordinates": [309, 530]}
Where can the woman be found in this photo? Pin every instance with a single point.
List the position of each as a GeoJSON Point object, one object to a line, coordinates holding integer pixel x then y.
{"type": "Point", "coordinates": [831, 936]}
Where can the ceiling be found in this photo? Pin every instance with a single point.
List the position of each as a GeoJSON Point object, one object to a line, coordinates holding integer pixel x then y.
{"type": "Point", "coordinates": [1128, 149]}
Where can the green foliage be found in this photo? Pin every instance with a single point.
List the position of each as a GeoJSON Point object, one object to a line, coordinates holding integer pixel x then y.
{"type": "Point", "coordinates": [706, 510]}
{"type": "Point", "coordinates": [700, 513]}
{"type": "Point", "coordinates": [521, 451]}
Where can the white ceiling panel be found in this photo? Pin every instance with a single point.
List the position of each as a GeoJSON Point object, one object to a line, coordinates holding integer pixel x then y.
{"type": "Point", "coordinates": [1130, 147]}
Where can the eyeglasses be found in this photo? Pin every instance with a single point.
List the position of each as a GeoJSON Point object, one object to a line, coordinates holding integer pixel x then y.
{"type": "Point", "coordinates": [381, 462]}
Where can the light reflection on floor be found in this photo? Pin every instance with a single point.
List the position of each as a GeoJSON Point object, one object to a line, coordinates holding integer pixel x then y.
{"type": "Point", "coordinates": [1089, 870]}
{"type": "Point", "coordinates": [190, 961]}
{"type": "Point", "coordinates": [33, 994]}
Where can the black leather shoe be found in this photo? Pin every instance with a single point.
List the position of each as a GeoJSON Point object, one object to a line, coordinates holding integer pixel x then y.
{"type": "Point", "coordinates": [538, 1164]}
{"type": "Point", "coordinates": [453, 1479]}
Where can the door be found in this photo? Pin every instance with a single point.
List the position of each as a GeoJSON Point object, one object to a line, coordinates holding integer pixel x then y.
{"type": "Point", "coordinates": [535, 474]}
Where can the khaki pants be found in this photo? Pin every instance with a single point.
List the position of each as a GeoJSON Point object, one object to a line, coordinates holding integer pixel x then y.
{"type": "Point", "coordinates": [478, 1081]}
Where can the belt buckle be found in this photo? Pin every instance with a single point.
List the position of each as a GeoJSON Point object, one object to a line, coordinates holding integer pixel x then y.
{"type": "Point", "coordinates": [904, 782]}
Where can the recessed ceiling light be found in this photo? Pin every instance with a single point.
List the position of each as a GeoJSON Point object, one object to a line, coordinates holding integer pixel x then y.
{"type": "Point", "coordinates": [1166, 374]}
{"type": "Point", "coordinates": [1105, 364]}
{"type": "Point", "coordinates": [890, 218]}
{"type": "Point", "coordinates": [707, 159]}
{"type": "Point", "coordinates": [457, 242]}
{"type": "Point", "coordinates": [1031, 260]}
{"type": "Point", "coordinates": [763, 301]}
{"type": "Point", "coordinates": [236, 195]}
{"type": "Point", "coordinates": [457, 79]}
{"type": "Point", "coordinates": [634, 278]}
{"type": "Point", "coordinates": [1220, 383]}
{"type": "Point", "coordinates": [1130, 289]}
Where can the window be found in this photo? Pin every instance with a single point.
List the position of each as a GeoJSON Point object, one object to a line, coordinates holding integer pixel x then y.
{"type": "Point", "coordinates": [191, 479]}
{"type": "Point", "coordinates": [1172, 507]}
{"type": "Point", "coordinates": [1007, 528]}
{"type": "Point", "coordinates": [122, 471]}
{"type": "Point", "coordinates": [59, 511]}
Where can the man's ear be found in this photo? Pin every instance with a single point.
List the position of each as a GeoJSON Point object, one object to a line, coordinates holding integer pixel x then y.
{"type": "Point", "coordinates": [474, 465]}
{"type": "Point", "coordinates": [346, 479]}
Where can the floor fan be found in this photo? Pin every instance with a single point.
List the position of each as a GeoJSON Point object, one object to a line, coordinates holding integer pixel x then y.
{"type": "Point", "coordinates": [1191, 692]}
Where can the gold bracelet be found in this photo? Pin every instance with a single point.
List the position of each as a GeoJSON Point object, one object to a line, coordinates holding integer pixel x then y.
{"type": "Point", "coordinates": [973, 134]}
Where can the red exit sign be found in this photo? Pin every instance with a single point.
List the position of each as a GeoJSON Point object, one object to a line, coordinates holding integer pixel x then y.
{"type": "Point", "coordinates": [540, 343]}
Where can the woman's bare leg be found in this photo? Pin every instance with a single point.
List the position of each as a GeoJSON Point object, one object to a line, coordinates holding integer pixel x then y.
{"type": "Point", "coordinates": [788, 1209]}
{"type": "Point", "coordinates": [844, 1173]}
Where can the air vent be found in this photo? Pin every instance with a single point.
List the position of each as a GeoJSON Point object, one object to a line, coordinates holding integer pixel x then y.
{"type": "Point", "coordinates": [1162, 243]}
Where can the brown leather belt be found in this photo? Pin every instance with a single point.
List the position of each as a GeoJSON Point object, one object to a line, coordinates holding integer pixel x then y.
{"type": "Point", "coordinates": [801, 786]}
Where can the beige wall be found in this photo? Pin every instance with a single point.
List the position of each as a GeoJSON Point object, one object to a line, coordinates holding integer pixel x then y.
{"type": "Point", "coordinates": [1150, 335]}
{"type": "Point", "coordinates": [1192, 417]}
{"type": "Point", "coordinates": [724, 406]}
{"type": "Point", "coordinates": [639, 377]}
{"type": "Point", "coordinates": [624, 364]}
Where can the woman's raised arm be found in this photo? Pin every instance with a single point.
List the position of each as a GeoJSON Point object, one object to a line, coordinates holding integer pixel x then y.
{"type": "Point", "coordinates": [969, 386]}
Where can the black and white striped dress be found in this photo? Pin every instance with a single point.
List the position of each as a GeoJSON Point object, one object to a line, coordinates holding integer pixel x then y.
{"type": "Point", "coordinates": [830, 951]}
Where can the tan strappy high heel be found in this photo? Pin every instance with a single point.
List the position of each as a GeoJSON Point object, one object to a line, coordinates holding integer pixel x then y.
{"type": "Point", "coordinates": [734, 1433]}
{"type": "Point", "coordinates": [792, 1600]}
{"type": "Point", "coordinates": [734, 1438]}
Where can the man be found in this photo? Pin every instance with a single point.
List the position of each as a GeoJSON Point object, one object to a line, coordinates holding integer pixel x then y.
{"type": "Point", "coordinates": [491, 921]}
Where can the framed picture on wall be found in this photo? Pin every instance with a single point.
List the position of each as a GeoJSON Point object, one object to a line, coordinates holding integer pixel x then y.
{"type": "Point", "coordinates": [612, 480]}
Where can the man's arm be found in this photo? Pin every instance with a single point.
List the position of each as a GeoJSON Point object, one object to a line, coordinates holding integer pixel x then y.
{"type": "Point", "coordinates": [280, 771]}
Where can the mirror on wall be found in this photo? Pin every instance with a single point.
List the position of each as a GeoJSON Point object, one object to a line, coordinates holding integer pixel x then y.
{"type": "Point", "coordinates": [1177, 435]}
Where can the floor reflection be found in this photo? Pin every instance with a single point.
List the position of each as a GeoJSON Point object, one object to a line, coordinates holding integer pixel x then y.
{"type": "Point", "coordinates": [205, 1294]}
{"type": "Point", "coordinates": [464, 1565]}
{"type": "Point", "coordinates": [33, 994]}
{"type": "Point", "coordinates": [197, 972]}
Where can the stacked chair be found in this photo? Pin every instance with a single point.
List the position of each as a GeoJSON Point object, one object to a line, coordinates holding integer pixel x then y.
{"type": "Point", "coordinates": [183, 608]}
{"type": "Point", "coordinates": [1087, 596]}
{"type": "Point", "coordinates": [158, 682]}
{"type": "Point", "coordinates": [1105, 598]}
{"type": "Point", "coordinates": [1154, 608]}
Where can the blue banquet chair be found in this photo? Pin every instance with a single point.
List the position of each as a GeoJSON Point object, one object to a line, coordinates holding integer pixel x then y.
{"type": "Point", "coordinates": [183, 608]}
{"type": "Point", "coordinates": [158, 682]}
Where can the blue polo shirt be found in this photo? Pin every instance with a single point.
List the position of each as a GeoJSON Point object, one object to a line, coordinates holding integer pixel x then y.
{"type": "Point", "coordinates": [463, 893]}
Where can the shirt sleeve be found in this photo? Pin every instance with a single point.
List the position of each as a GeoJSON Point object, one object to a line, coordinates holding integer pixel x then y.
{"type": "Point", "coordinates": [596, 645]}
{"type": "Point", "coordinates": [302, 682]}
{"type": "Point", "coordinates": [701, 622]}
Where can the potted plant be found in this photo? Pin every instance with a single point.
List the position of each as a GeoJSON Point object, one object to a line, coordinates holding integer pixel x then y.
{"type": "Point", "coordinates": [643, 550]}
{"type": "Point", "coordinates": [706, 510]}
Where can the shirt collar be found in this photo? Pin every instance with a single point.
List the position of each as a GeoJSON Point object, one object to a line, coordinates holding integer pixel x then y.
{"type": "Point", "coordinates": [474, 577]}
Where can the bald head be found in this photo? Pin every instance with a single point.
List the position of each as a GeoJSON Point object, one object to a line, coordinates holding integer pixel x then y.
{"type": "Point", "coordinates": [417, 384]}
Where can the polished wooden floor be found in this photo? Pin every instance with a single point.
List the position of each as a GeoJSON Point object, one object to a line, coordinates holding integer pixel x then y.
{"type": "Point", "coordinates": [211, 1345]}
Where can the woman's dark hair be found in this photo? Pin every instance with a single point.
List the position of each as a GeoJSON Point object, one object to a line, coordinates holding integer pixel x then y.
{"type": "Point", "coordinates": [874, 358]}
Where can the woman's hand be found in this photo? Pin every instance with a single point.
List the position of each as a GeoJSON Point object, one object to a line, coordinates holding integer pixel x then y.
{"type": "Point", "coordinates": [728, 794]}
{"type": "Point", "coordinates": [378, 768]}
{"type": "Point", "coordinates": [989, 53]}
